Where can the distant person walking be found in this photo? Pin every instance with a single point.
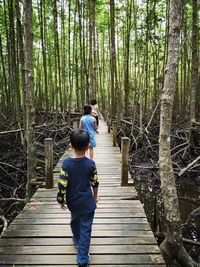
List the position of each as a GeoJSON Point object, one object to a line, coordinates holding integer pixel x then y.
{"type": "Point", "coordinates": [78, 183]}
{"type": "Point", "coordinates": [95, 110]}
{"type": "Point", "coordinates": [88, 123]}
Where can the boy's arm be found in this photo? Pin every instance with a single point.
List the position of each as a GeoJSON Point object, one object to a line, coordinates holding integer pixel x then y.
{"type": "Point", "coordinates": [95, 125]}
{"type": "Point", "coordinates": [95, 192]}
{"type": "Point", "coordinates": [80, 124]}
{"type": "Point", "coordinates": [94, 180]}
{"type": "Point", "coordinates": [62, 188]}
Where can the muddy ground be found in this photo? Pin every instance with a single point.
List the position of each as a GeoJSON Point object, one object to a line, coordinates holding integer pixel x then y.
{"type": "Point", "coordinates": [143, 166]}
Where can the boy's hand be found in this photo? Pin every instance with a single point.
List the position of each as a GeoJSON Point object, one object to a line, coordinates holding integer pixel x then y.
{"type": "Point", "coordinates": [97, 199]}
{"type": "Point", "coordinates": [63, 206]}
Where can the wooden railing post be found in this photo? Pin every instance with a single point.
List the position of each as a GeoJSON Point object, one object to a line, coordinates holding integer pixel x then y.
{"type": "Point", "coordinates": [109, 125]}
{"type": "Point", "coordinates": [48, 150]}
{"type": "Point", "coordinates": [125, 149]}
{"type": "Point", "coordinates": [114, 125]}
{"type": "Point", "coordinates": [108, 122]}
{"type": "Point", "coordinates": [75, 125]}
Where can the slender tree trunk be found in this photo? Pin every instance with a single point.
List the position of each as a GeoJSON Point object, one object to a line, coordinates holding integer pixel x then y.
{"type": "Point", "coordinates": [78, 102]}
{"type": "Point", "coordinates": [113, 59]}
{"type": "Point", "coordinates": [50, 76]}
{"type": "Point", "coordinates": [55, 64]}
{"type": "Point", "coordinates": [63, 57]}
{"type": "Point", "coordinates": [101, 93]}
{"type": "Point", "coordinates": [21, 63]}
{"type": "Point", "coordinates": [172, 246]}
{"type": "Point", "coordinates": [166, 39]}
{"type": "Point", "coordinates": [86, 72]}
{"type": "Point", "coordinates": [104, 102]}
{"type": "Point", "coordinates": [185, 91]}
{"type": "Point", "coordinates": [194, 76]}
{"type": "Point", "coordinates": [13, 59]}
{"type": "Point", "coordinates": [147, 66]}
{"type": "Point", "coordinates": [30, 109]}
{"type": "Point", "coordinates": [94, 52]}
{"type": "Point", "coordinates": [69, 59]}
{"type": "Point", "coordinates": [8, 90]}
{"type": "Point", "coordinates": [57, 59]}
{"type": "Point", "coordinates": [79, 4]}
{"type": "Point", "coordinates": [3, 101]}
{"type": "Point", "coordinates": [41, 16]}
{"type": "Point", "coordinates": [91, 49]}
{"type": "Point", "coordinates": [126, 59]}
{"type": "Point", "coordinates": [38, 84]}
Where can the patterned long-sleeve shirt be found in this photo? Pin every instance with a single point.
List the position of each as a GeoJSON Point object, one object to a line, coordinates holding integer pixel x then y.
{"type": "Point", "coordinates": [77, 176]}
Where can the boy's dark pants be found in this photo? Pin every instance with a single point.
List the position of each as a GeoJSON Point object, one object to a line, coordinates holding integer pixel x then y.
{"type": "Point", "coordinates": [81, 225]}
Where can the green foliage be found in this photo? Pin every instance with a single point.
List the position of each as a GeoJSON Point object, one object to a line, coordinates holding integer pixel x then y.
{"type": "Point", "coordinates": [148, 43]}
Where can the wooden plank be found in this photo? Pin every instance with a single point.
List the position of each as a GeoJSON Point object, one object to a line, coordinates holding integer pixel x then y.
{"type": "Point", "coordinates": [42, 209]}
{"type": "Point", "coordinates": [96, 221]}
{"type": "Point", "coordinates": [63, 241]}
{"type": "Point", "coordinates": [103, 201]}
{"type": "Point", "coordinates": [52, 199]}
{"type": "Point", "coordinates": [105, 210]}
{"type": "Point", "coordinates": [97, 215]}
{"type": "Point", "coordinates": [125, 202]}
{"type": "Point", "coordinates": [71, 259]}
{"type": "Point", "coordinates": [101, 207]}
{"type": "Point", "coordinates": [99, 227]}
{"type": "Point", "coordinates": [94, 249]}
{"type": "Point", "coordinates": [105, 193]}
{"type": "Point", "coordinates": [118, 189]}
{"type": "Point", "coordinates": [67, 233]}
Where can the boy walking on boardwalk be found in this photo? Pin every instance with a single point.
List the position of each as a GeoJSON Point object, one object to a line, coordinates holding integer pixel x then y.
{"type": "Point", "coordinates": [77, 176]}
{"type": "Point", "coordinates": [88, 123]}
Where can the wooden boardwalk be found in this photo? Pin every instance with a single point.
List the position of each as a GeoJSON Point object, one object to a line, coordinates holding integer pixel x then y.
{"type": "Point", "coordinates": [40, 235]}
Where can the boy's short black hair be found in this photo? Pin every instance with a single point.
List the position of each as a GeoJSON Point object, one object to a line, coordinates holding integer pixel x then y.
{"type": "Point", "coordinates": [79, 139]}
{"type": "Point", "coordinates": [87, 110]}
{"type": "Point", "coordinates": [93, 102]}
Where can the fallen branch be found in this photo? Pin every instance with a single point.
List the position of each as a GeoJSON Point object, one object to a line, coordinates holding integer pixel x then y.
{"type": "Point", "coordinates": [183, 144]}
{"type": "Point", "coordinates": [192, 214]}
{"type": "Point", "coordinates": [188, 166]}
{"type": "Point", "coordinates": [11, 166]}
{"type": "Point", "coordinates": [189, 241]}
{"type": "Point", "coordinates": [13, 199]}
{"type": "Point", "coordinates": [144, 167]}
{"type": "Point", "coordinates": [127, 122]}
{"type": "Point", "coordinates": [152, 116]}
{"type": "Point", "coordinates": [37, 127]}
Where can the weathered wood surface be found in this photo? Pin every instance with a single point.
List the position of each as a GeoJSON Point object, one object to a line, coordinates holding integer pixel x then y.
{"type": "Point", "coordinates": [40, 235]}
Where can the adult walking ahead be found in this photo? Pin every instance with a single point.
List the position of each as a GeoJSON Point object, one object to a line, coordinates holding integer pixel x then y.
{"type": "Point", "coordinates": [88, 123]}
{"type": "Point", "coordinates": [95, 110]}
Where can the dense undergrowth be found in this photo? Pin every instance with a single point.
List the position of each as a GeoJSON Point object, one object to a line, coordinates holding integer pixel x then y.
{"type": "Point", "coordinates": [13, 158]}
{"type": "Point", "coordinates": [144, 168]}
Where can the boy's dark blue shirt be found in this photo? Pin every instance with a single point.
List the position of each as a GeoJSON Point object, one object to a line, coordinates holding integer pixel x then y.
{"type": "Point", "coordinates": [76, 178]}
